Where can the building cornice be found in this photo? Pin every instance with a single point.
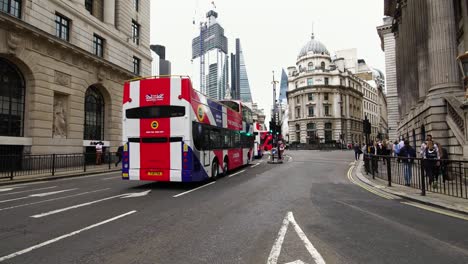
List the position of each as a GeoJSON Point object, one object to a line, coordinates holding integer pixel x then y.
{"type": "Point", "coordinates": [336, 87]}
{"type": "Point", "coordinates": [19, 26]}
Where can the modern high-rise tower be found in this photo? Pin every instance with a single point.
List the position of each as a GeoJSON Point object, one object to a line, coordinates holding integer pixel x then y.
{"type": "Point", "coordinates": [209, 54]}
{"type": "Point", "coordinates": [240, 87]}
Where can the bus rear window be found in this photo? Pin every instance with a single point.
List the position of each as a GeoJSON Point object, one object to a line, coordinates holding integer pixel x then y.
{"type": "Point", "coordinates": [161, 111]}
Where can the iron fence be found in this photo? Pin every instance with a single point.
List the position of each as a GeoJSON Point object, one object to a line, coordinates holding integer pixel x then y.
{"type": "Point", "coordinates": [449, 177]}
{"type": "Point", "coordinates": [14, 165]}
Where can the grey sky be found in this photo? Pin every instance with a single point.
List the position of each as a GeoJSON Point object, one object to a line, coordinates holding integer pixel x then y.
{"type": "Point", "coordinates": [271, 32]}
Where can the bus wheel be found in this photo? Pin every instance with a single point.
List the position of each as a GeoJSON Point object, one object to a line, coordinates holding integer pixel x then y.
{"type": "Point", "coordinates": [214, 170]}
{"type": "Point", "coordinates": [225, 167]}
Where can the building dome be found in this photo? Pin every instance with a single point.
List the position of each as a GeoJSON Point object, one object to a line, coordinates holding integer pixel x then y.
{"type": "Point", "coordinates": [313, 46]}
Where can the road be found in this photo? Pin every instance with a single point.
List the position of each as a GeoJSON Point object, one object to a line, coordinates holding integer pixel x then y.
{"type": "Point", "coordinates": [303, 211]}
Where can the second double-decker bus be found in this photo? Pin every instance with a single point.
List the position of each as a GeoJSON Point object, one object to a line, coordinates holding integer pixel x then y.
{"type": "Point", "coordinates": [174, 133]}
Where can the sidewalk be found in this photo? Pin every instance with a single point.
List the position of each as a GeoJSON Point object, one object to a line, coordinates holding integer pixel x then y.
{"type": "Point", "coordinates": [458, 205]}
{"type": "Point", "coordinates": [59, 175]}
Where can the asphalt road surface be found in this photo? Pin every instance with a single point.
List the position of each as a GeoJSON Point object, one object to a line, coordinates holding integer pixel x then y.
{"type": "Point", "coordinates": [303, 211]}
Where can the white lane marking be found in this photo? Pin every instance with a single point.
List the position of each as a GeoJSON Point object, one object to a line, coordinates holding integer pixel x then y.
{"type": "Point", "coordinates": [6, 189]}
{"type": "Point", "coordinates": [253, 166]}
{"type": "Point", "coordinates": [180, 194]}
{"type": "Point", "coordinates": [54, 199]}
{"type": "Point", "coordinates": [297, 262]}
{"type": "Point", "coordinates": [112, 178]}
{"type": "Point", "coordinates": [48, 242]}
{"type": "Point", "coordinates": [32, 190]}
{"type": "Point", "coordinates": [37, 195]}
{"type": "Point", "coordinates": [276, 250]}
{"type": "Point", "coordinates": [237, 173]}
{"type": "Point", "coordinates": [134, 195]}
{"type": "Point", "coordinates": [128, 195]}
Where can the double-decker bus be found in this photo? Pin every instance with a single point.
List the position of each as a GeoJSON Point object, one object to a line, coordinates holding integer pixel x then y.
{"type": "Point", "coordinates": [174, 133]}
{"type": "Point", "coordinates": [266, 141]}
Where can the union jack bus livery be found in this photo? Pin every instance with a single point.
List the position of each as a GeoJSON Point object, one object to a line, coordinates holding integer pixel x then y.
{"type": "Point", "coordinates": [174, 133]}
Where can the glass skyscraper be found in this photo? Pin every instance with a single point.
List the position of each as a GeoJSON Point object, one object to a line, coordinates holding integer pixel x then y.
{"type": "Point", "coordinates": [240, 87]}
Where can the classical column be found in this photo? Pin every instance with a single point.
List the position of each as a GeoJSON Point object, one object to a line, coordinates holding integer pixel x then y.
{"type": "Point", "coordinates": [422, 49]}
{"type": "Point", "coordinates": [442, 45]}
{"type": "Point", "coordinates": [109, 12]}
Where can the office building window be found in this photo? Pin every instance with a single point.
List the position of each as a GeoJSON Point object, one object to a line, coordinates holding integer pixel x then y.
{"type": "Point", "coordinates": [98, 46]}
{"type": "Point", "coordinates": [310, 67]}
{"type": "Point", "coordinates": [311, 111]}
{"type": "Point", "coordinates": [310, 81]}
{"type": "Point", "coordinates": [298, 100]}
{"type": "Point", "coordinates": [62, 27]}
{"type": "Point", "coordinates": [310, 96]}
{"type": "Point", "coordinates": [326, 81]}
{"type": "Point", "coordinates": [12, 99]}
{"type": "Point", "coordinates": [136, 65]}
{"type": "Point", "coordinates": [325, 96]}
{"type": "Point", "coordinates": [136, 3]}
{"type": "Point", "coordinates": [12, 7]}
{"type": "Point", "coordinates": [89, 5]}
{"type": "Point", "coordinates": [135, 32]}
{"type": "Point", "coordinates": [94, 115]}
{"type": "Point", "coordinates": [322, 66]}
{"type": "Point", "coordinates": [298, 112]}
{"type": "Point", "coordinates": [328, 132]}
{"type": "Point", "coordinates": [327, 110]}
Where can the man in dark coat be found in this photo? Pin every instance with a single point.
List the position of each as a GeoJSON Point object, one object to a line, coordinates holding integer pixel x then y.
{"type": "Point", "coordinates": [407, 153]}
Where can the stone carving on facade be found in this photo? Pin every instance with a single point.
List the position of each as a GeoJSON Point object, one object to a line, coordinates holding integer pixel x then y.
{"type": "Point", "coordinates": [60, 120]}
{"type": "Point", "coordinates": [62, 78]}
{"type": "Point", "coordinates": [101, 75]}
{"type": "Point", "coordinates": [12, 42]}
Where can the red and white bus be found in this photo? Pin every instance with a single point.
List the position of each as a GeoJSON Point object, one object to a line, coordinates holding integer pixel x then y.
{"type": "Point", "coordinates": [174, 133]}
{"type": "Point", "coordinates": [266, 140]}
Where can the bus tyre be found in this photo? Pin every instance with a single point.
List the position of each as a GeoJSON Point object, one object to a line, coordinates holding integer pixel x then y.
{"type": "Point", "coordinates": [225, 166]}
{"type": "Point", "coordinates": [214, 170]}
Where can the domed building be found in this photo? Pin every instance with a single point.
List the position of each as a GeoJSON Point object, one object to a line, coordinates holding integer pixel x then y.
{"type": "Point", "coordinates": [325, 100]}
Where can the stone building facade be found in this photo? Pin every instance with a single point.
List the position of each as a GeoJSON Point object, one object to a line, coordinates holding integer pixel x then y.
{"type": "Point", "coordinates": [428, 38]}
{"type": "Point", "coordinates": [62, 69]}
{"type": "Point", "coordinates": [387, 38]}
{"type": "Point", "coordinates": [325, 102]}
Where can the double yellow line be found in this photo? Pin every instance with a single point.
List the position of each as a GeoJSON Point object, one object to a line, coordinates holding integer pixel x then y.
{"type": "Point", "coordinates": [366, 187]}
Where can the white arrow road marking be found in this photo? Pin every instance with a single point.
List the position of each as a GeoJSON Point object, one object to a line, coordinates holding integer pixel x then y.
{"type": "Point", "coordinates": [237, 173]}
{"type": "Point", "coordinates": [81, 205]}
{"type": "Point", "coordinates": [54, 199]}
{"type": "Point", "coordinates": [37, 195]}
{"type": "Point", "coordinates": [276, 250]}
{"type": "Point", "coordinates": [297, 262]}
{"type": "Point", "coordinates": [180, 194]}
{"type": "Point", "coordinates": [48, 242]}
{"type": "Point", "coordinates": [134, 195]}
{"type": "Point", "coordinates": [33, 190]}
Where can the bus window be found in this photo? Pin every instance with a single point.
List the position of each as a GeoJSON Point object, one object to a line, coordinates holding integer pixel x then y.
{"type": "Point", "coordinates": [162, 111]}
{"type": "Point", "coordinates": [227, 138]}
{"type": "Point", "coordinates": [197, 131]}
{"type": "Point", "coordinates": [215, 138]}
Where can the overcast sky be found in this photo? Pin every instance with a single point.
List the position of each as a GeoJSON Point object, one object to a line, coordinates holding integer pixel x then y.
{"type": "Point", "coordinates": [271, 32]}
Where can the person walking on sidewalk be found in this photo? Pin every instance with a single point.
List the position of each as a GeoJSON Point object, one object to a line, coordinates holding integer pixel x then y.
{"type": "Point", "coordinates": [407, 153]}
{"type": "Point", "coordinates": [431, 161]}
{"type": "Point", "coordinates": [98, 153]}
{"type": "Point", "coordinates": [119, 155]}
{"type": "Point", "coordinates": [357, 151]}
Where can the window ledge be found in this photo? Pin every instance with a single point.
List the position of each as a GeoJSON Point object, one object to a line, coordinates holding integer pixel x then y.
{"type": "Point", "coordinates": [22, 141]}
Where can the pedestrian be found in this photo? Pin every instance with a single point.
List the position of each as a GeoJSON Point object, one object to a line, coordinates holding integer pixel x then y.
{"type": "Point", "coordinates": [444, 160]}
{"type": "Point", "coordinates": [357, 151]}
{"type": "Point", "coordinates": [119, 155]}
{"type": "Point", "coordinates": [281, 149]}
{"type": "Point", "coordinates": [431, 161]}
{"type": "Point", "coordinates": [98, 153]}
{"type": "Point", "coordinates": [374, 150]}
{"type": "Point", "coordinates": [407, 153]}
{"type": "Point", "coordinates": [396, 149]}
{"type": "Point", "coordinates": [424, 145]}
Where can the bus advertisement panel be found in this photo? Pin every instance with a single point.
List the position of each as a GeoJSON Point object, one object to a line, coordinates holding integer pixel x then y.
{"type": "Point", "coordinates": [174, 133]}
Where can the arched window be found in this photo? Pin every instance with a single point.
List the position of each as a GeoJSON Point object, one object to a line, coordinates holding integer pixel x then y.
{"type": "Point", "coordinates": [322, 65]}
{"type": "Point", "coordinates": [310, 67]}
{"type": "Point", "coordinates": [12, 90]}
{"type": "Point", "coordinates": [423, 133]}
{"type": "Point", "coordinates": [94, 115]}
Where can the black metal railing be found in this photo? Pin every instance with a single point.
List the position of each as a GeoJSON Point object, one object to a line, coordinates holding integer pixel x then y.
{"type": "Point", "coordinates": [12, 166]}
{"type": "Point", "coordinates": [449, 177]}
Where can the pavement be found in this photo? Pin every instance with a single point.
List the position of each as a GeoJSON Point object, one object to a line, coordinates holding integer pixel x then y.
{"type": "Point", "coordinates": [310, 209]}
{"type": "Point", "coordinates": [459, 205]}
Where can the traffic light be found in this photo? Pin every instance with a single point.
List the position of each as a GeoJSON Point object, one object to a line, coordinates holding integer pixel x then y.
{"type": "Point", "coordinates": [272, 126]}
